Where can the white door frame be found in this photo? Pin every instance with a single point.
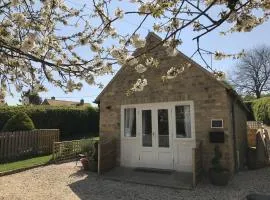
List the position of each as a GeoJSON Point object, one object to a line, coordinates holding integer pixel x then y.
{"type": "Point", "coordinates": [135, 143]}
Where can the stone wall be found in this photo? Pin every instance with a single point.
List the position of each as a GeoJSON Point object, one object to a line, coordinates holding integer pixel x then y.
{"type": "Point", "coordinates": [210, 100]}
{"type": "Point", "coordinates": [241, 133]}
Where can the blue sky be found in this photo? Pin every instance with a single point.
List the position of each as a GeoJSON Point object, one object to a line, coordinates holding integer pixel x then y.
{"type": "Point", "coordinates": [231, 43]}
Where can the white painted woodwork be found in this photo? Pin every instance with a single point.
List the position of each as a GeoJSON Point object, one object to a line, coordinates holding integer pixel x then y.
{"type": "Point", "coordinates": [179, 154]}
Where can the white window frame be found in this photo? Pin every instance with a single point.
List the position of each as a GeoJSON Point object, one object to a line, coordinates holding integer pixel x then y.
{"type": "Point", "coordinates": [171, 106]}
{"type": "Point", "coordinates": [123, 121]}
{"type": "Point", "coordinates": [217, 120]}
{"type": "Point", "coordinates": [192, 120]}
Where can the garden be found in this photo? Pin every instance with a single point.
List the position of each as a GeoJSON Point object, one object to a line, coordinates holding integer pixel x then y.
{"type": "Point", "coordinates": [31, 136]}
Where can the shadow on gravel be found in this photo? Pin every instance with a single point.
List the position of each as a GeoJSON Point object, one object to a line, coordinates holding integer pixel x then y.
{"type": "Point", "coordinates": [85, 188]}
{"type": "Point", "coordinates": [79, 173]}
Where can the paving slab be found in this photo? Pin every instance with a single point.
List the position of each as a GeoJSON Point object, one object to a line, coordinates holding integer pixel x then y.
{"type": "Point", "coordinates": [163, 178]}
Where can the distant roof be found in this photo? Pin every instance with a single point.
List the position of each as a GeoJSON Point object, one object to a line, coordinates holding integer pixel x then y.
{"type": "Point", "coordinates": [54, 102]}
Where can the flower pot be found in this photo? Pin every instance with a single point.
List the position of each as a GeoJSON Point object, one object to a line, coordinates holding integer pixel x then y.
{"type": "Point", "coordinates": [85, 163]}
{"type": "Point", "coordinates": [219, 177]}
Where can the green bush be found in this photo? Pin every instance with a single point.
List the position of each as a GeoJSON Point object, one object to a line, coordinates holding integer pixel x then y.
{"type": "Point", "coordinates": [73, 122]}
{"type": "Point", "coordinates": [19, 122]}
{"type": "Point", "coordinates": [261, 109]}
{"type": "Point", "coordinates": [250, 114]}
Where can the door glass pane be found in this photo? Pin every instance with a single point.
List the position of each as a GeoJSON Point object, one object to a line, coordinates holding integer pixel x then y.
{"type": "Point", "coordinates": [130, 122]}
{"type": "Point", "coordinates": [147, 128]}
{"type": "Point", "coordinates": [163, 128]}
{"type": "Point", "coordinates": [183, 123]}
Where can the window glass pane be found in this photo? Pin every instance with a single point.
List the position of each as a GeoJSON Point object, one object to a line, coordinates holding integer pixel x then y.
{"type": "Point", "coordinates": [147, 128]}
{"type": "Point", "coordinates": [130, 122]}
{"type": "Point", "coordinates": [183, 123]}
{"type": "Point", "coordinates": [163, 128]}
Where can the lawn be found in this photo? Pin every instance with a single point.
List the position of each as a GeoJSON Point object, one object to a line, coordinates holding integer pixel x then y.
{"type": "Point", "coordinates": [25, 163]}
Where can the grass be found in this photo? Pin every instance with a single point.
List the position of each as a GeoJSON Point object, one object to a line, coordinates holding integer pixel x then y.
{"type": "Point", "coordinates": [25, 163]}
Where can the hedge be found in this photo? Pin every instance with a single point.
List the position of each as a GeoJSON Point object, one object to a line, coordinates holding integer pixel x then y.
{"type": "Point", "coordinates": [73, 122]}
{"type": "Point", "coordinates": [261, 109]}
{"type": "Point", "coordinates": [250, 114]}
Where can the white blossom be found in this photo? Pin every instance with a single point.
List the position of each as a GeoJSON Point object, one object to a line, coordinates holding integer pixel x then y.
{"type": "Point", "coordinates": [149, 61]}
{"type": "Point", "coordinates": [130, 60]}
{"type": "Point", "coordinates": [157, 27]}
{"type": "Point", "coordinates": [119, 13]}
{"type": "Point", "coordinates": [15, 2]}
{"type": "Point", "coordinates": [95, 47]}
{"type": "Point", "coordinates": [116, 53]}
{"type": "Point", "coordinates": [137, 42]}
{"type": "Point", "coordinates": [140, 68]}
{"type": "Point", "coordinates": [219, 75]}
{"type": "Point", "coordinates": [19, 18]}
{"type": "Point", "coordinates": [219, 55]}
{"type": "Point", "coordinates": [173, 72]}
{"type": "Point", "coordinates": [139, 85]}
{"type": "Point", "coordinates": [28, 44]}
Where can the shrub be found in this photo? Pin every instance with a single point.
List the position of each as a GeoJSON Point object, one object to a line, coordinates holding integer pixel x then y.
{"type": "Point", "coordinates": [250, 114]}
{"type": "Point", "coordinates": [73, 122]}
{"type": "Point", "coordinates": [19, 122]}
{"type": "Point", "coordinates": [261, 109]}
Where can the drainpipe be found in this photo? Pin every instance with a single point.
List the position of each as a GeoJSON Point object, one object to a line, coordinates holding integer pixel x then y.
{"type": "Point", "coordinates": [236, 164]}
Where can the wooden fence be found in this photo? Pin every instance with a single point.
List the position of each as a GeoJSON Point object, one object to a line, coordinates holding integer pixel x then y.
{"type": "Point", "coordinates": [70, 149]}
{"type": "Point", "coordinates": [197, 168]}
{"type": "Point", "coordinates": [252, 128]}
{"type": "Point", "coordinates": [14, 145]}
{"type": "Point", "coordinates": [254, 124]}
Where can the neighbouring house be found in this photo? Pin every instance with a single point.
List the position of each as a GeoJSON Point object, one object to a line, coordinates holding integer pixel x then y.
{"type": "Point", "coordinates": [159, 126]}
{"type": "Point", "coordinates": [54, 102]}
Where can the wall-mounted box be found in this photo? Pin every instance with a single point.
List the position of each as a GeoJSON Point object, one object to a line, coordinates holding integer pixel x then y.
{"type": "Point", "coordinates": [216, 137]}
{"type": "Point", "coordinates": [216, 123]}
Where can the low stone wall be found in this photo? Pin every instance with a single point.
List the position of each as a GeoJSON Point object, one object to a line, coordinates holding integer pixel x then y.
{"type": "Point", "coordinates": [197, 167]}
{"type": "Point", "coordinates": [107, 154]}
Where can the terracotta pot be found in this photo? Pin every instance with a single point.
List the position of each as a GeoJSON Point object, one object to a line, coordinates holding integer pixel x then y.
{"type": "Point", "coordinates": [219, 177]}
{"type": "Point", "coordinates": [85, 163]}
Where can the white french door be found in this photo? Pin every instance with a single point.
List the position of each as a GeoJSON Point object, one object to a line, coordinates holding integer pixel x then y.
{"type": "Point", "coordinates": [155, 125]}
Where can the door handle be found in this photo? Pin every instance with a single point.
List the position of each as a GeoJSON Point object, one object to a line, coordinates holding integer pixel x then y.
{"type": "Point", "coordinates": [153, 133]}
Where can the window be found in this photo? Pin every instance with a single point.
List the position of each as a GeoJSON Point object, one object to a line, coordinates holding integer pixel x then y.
{"type": "Point", "coordinates": [147, 128]}
{"type": "Point", "coordinates": [163, 128]}
{"type": "Point", "coordinates": [130, 122]}
{"type": "Point", "coordinates": [183, 121]}
{"type": "Point", "coordinates": [216, 123]}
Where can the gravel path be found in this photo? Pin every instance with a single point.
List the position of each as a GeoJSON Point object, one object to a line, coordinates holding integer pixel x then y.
{"type": "Point", "coordinates": [65, 181]}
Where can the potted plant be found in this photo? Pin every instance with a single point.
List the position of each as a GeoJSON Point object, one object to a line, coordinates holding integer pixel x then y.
{"type": "Point", "coordinates": [89, 160]}
{"type": "Point", "coordinates": [218, 175]}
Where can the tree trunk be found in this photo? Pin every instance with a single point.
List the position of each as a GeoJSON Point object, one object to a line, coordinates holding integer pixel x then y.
{"type": "Point", "coordinates": [258, 94]}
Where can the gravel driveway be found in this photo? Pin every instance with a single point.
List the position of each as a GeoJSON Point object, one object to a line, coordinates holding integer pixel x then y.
{"type": "Point", "coordinates": [65, 181]}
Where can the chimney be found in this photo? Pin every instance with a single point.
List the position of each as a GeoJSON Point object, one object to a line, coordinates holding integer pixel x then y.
{"type": "Point", "coordinates": [81, 102]}
{"type": "Point", "coordinates": [52, 98]}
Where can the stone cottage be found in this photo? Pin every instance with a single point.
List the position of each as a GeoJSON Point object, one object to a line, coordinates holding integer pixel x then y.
{"type": "Point", "coordinates": [159, 126]}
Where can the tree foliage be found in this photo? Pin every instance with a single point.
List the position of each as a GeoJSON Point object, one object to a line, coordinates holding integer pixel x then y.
{"type": "Point", "coordinates": [19, 122]}
{"type": "Point", "coordinates": [41, 40]}
{"type": "Point", "coordinates": [252, 74]}
{"type": "Point", "coordinates": [261, 109]}
{"type": "Point", "coordinates": [31, 97]}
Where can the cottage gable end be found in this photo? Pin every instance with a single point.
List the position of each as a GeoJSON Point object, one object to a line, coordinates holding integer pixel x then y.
{"type": "Point", "coordinates": [127, 75]}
